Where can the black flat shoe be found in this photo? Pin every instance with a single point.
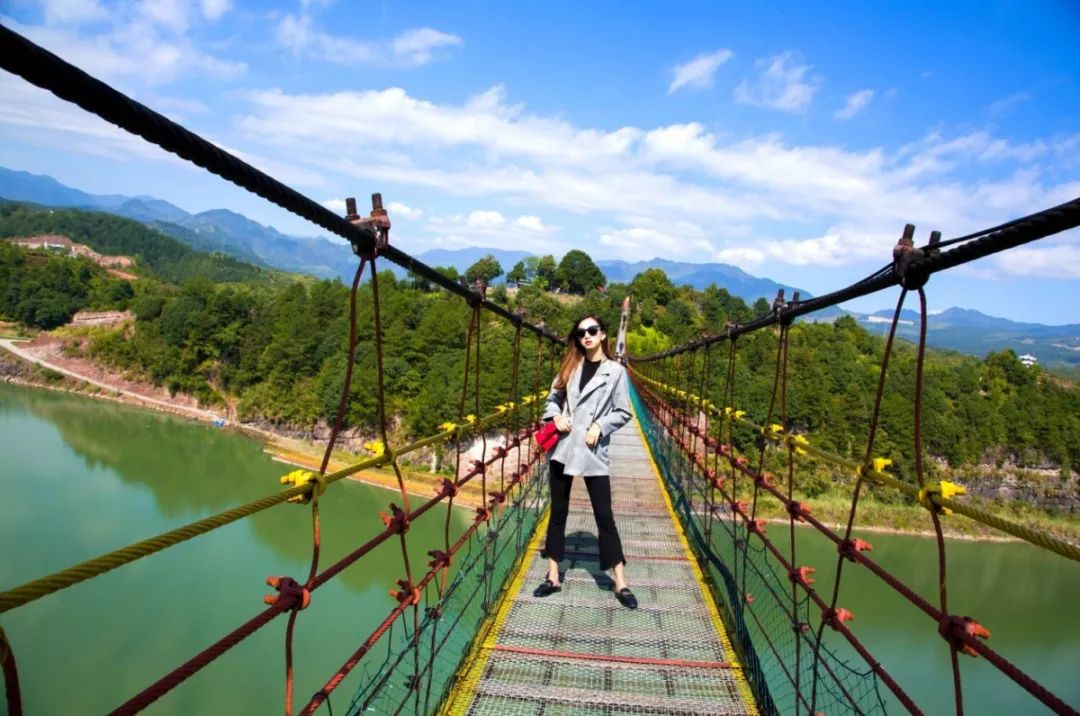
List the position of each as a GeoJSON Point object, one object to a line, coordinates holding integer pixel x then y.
{"type": "Point", "coordinates": [546, 587]}
{"type": "Point", "coordinates": [626, 598]}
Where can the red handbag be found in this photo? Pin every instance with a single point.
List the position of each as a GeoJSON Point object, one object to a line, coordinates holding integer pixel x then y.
{"type": "Point", "coordinates": [547, 437]}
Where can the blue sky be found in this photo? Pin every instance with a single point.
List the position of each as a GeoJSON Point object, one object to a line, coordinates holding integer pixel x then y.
{"type": "Point", "coordinates": [793, 140]}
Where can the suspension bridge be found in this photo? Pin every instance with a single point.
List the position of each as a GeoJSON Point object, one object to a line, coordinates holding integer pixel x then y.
{"type": "Point", "coordinates": [732, 620]}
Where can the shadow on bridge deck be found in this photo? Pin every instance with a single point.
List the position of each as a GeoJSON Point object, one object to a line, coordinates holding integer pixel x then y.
{"type": "Point", "coordinates": [579, 651]}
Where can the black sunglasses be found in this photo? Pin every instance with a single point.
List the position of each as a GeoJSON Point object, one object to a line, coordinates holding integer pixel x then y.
{"type": "Point", "coordinates": [591, 330]}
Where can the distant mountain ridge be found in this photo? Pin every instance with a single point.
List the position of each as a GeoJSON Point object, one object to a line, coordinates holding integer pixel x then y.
{"type": "Point", "coordinates": [215, 230]}
{"type": "Point", "coordinates": [732, 278]}
{"type": "Point", "coordinates": [975, 333]}
{"type": "Point", "coordinates": [238, 236]}
{"type": "Point", "coordinates": [959, 329]}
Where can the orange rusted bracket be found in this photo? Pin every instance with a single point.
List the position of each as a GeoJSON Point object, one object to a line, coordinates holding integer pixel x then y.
{"type": "Point", "coordinates": [848, 548]}
{"type": "Point", "coordinates": [835, 617]}
{"type": "Point", "coordinates": [408, 595]}
{"type": "Point", "coordinates": [375, 227]}
{"type": "Point", "coordinates": [802, 575]}
{"type": "Point", "coordinates": [398, 521]}
{"type": "Point", "coordinates": [960, 632]}
{"type": "Point", "coordinates": [288, 588]}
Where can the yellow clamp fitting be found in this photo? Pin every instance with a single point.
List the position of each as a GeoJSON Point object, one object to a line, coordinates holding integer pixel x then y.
{"type": "Point", "coordinates": [943, 489]}
{"type": "Point", "coordinates": [878, 464]}
{"type": "Point", "coordinates": [470, 419]}
{"type": "Point", "coordinates": [448, 426]}
{"type": "Point", "coordinates": [296, 478]}
{"type": "Point", "coordinates": [797, 443]}
{"type": "Point", "coordinates": [733, 413]}
{"type": "Point", "coordinates": [376, 447]}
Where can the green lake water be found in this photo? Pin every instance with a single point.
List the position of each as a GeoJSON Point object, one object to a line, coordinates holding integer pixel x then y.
{"type": "Point", "coordinates": [1025, 596]}
{"type": "Point", "coordinates": [82, 477]}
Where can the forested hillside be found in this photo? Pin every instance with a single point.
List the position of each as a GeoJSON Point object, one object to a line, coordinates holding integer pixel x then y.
{"type": "Point", "coordinates": [278, 352]}
{"type": "Point", "coordinates": [163, 256]}
{"type": "Point", "coordinates": [282, 353]}
{"type": "Point", "coordinates": [42, 291]}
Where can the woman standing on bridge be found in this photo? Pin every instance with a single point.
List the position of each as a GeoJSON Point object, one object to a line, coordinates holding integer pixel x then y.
{"type": "Point", "coordinates": [588, 402]}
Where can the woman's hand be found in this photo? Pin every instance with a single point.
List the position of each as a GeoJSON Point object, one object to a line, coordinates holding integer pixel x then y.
{"type": "Point", "coordinates": [593, 435]}
{"type": "Point", "coordinates": [563, 423]}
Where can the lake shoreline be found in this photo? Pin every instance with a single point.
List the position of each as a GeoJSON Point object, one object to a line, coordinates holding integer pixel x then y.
{"type": "Point", "coordinates": [281, 448]}
{"type": "Point", "coordinates": [308, 455]}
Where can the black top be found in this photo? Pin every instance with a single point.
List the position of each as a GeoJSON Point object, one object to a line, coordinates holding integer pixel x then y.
{"type": "Point", "coordinates": [588, 370]}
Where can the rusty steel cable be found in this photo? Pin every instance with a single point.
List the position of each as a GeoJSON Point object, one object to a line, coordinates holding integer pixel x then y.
{"type": "Point", "coordinates": [753, 527]}
{"type": "Point", "coordinates": [748, 605]}
{"type": "Point", "coordinates": [42, 68]}
{"type": "Point", "coordinates": [950, 626]}
{"type": "Point", "coordinates": [51, 73]}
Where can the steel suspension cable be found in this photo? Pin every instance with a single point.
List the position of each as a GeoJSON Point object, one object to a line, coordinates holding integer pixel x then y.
{"type": "Point", "coordinates": [867, 463]}
{"type": "Point", "coordinates": [42, 68]}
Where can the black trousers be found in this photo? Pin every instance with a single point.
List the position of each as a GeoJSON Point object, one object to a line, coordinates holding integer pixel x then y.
{"type": "Point", "coordinates": [599, 487]}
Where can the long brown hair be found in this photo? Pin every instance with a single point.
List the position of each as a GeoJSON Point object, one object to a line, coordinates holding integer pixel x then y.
{"type": "Point", "coordinates": [575, 352]}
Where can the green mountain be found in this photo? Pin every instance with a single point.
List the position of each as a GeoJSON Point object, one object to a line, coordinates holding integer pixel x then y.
{"type": "Point", "coordinates": [164, 256]}
{"type": "Point", "coordinates": [1056, 348]}
{"type": "Point", "coordinates": [240, 236]}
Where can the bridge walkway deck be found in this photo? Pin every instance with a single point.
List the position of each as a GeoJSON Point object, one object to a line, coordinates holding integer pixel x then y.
{"type": "Point", "coordinates": [579, 651]}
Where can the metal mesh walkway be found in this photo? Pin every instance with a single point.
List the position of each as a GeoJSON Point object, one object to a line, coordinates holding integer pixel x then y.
{"type": "Point", "coordinates": [579, 651]}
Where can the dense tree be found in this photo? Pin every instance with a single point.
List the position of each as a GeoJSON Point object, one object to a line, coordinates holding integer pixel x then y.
{"type": "Point", "coordinates": [652, 284]}
{"type": "Point", "coordinates": [545, 271]}
{"type": "Point", "coordinates": [449, 272]}
{"type": "Point", "coordinates": [518, 273]}
{"type": "Point", "coordinates": [578, 274]}
{"type": "Point", "coordinates": [486, 270]}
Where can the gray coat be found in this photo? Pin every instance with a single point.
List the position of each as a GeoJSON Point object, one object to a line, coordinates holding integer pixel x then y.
{"type": "Point", "coordinates": [605, 401]}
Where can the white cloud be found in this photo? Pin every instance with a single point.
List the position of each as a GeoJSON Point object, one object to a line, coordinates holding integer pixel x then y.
{"type": "Point", "coordinates": [416, 47]}
{"type": "Point", "coordinates": [643, 243]}
{"type": "Point", "coordinates": [698, 73]}
{"type": "Point", "coordinates": [397, 209]}
{"type": "Point", "coordinates": [212, 10]}
{"type": "Point", "coordinates": [1006, 105]}
{"type": "Point", "coordinates": [490, 228]}
{"type": "Point", "coordinates": [58, 12]}
{"type": "Point", "coordinates": [225, 69]}
{"type": "Point", "coordinates": [1060, 261]}
{"type": "Point", "coordinates": [485, 220]}
{"type": "Point", "coordinates": [743, 256]}
{"type": "Point", "coordinates": [856, 102]}
{"type": "Point", "coordinates": [818, 204]}
{"type": "Point", "coordinates": [411, 48]}
{"type": "Point", "coordinates": [176, 108]}
{"type": "Point", "coordinates": [171, 15]}
{"type": "Point", "coordinates": [391, 116]}
{"type": "Point", "coordinates": [138, 49]}
{"type": "Point", "coordinates": [530, 223]}
{"type": "Point", "coordinates": [35, 116]}
{"type": "Point", "coordinates": [783, 84]}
